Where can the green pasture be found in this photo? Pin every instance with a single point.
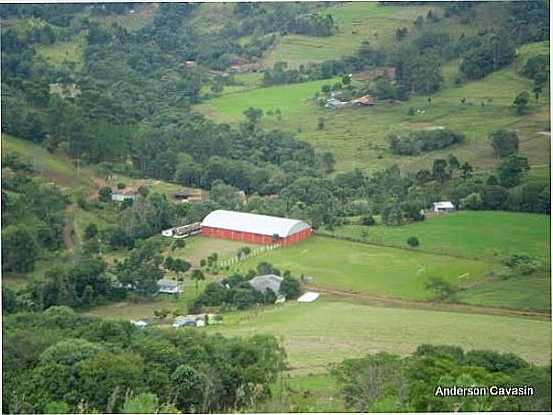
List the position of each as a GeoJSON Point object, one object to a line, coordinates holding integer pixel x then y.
{"type": "Point", "coordinates": [369, 269]}
{"type": "Point", "coordinates": [54, 167]}
{"type": "Point", "coordinates": [520, 292]}
{"type": "Point", "coordinates": [477, 235]}
{"type": "Point", "coordinates": [358, 137]}
{"type": "Point", "coordinates": [356, 22]}
{"type": "Point", "coordinates": [67, 51]}
{"type": "Point", "coordinates": [324, 332]}
{"type": "Point", "coordinates": [200, 247]}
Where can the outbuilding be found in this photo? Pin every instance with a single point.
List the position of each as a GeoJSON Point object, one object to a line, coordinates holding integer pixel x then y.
{"type": "Point", "coordinates": [262, 283]}
{"type": "Point", "coordinates": [168, 287]}
{"type": "Point", "coordinates": [443, 207]}
{"type": "Point", "coordinates": [252, 228]}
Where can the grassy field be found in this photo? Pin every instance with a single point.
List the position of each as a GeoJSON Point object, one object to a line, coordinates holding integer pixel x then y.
{"type": "Point", "coordinates": [479, 235]}
{"type": "Point", "coordinates": [358, 136]}
{"type": "Point", "coordinates": [531, 292]}
{"type": "Point", "coordinates": [325, 332]}
{"type": "Point", "coordinates": [356, 23]}
{"type": "Point", "coordinates": [67, 51]}
{"type": "Point", "coordinates": [200, 247]}
{"type": "Point", "coordinates": [369, 269]}
{"type": "Point", "coordinates": [312, 392]}
{"type": "Point", "coordinates": [54, 167]}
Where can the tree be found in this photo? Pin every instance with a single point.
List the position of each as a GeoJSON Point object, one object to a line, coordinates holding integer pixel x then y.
{"type": "Point", "coordinates": [197, 275]}
{"type": "Point", "coordinates": [253, 116]}
{"type": "Point", "coordinates": [290, 287]}
{"type": "Point", "coordinates": [228, 197]}
{"type": "Point", "coordinates": [321, 123]}
{"type": "Point", "coordinates": [466, 170]}
{"type": "Point", "coordinates": [19, 249]}
{"type": "Point", "coordinates": [452, 164]}
{"type": "Point", "coordinates": [494, 197]}
{"type": "Point", "coordinates": [413, 241]}
{"type": "Point", "coordinates": [90, 231]}
{"type": "Point", "coordinates": [521, 102]}
{"type": "Point", "coordinates": [190, 389]}
{"type": "Point", "coordinates": [180, 265]}
{"type": "Point", "coordinates": [504, 142]}
{"type": "Point", "coordinates": [328, 162]}
{"type": "Point", "coordinates": [442, 289]}
{"type": "Point", "coordinates": [512, 169]}
{"type": "Point", "coordinates": [439, 170]}
{"type": "Point", "coordinates": [368, 220]}
{"type": "Point", "coordinates": [105, 194]}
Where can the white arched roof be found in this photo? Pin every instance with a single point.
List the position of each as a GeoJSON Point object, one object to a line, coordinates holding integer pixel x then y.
{"type": "Point", "coordinates": [249, 222]}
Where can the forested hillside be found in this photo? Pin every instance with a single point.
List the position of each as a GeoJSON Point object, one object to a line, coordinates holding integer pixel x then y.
{"type": "Point", "coordinates": [352, 117]}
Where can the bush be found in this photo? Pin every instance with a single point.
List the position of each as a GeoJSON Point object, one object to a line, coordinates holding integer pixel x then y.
{"type": "Point", "coordinates": [368, 220]}
{"type": "Point", "coordinates": [413, 241]}
{"type": "Point", "coordinates": [290, 288]}
{"type": "Point", "coordinates": [442, 290]}
{"type": "Point", "coordinates": [416, 142]}
{"type": "Point", "coordinates": [121, 185]}
{"type": "Point", "coordinates": [104, 194]}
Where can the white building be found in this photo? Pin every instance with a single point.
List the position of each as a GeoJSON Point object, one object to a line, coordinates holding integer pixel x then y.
{"type": "Point", "coordinates": [168, 287]}
{"type": "Point", "coordinates": [443, 207]}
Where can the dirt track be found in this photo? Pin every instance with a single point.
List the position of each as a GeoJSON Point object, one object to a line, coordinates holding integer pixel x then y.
{"type": "Point", "coordinates": [397, 303]}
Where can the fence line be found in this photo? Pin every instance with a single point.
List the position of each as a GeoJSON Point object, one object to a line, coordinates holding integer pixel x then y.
{"type": "Point", "coordinates": [253, 253]}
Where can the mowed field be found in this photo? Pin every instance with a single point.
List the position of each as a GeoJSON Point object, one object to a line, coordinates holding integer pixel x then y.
{"type": "Point", "coordinates": [358, 137]}
{"type": "Point", "coordinates": [324, 332]}
{"type": "Point", "coordinates": [478, 235]}
{"type": "Point", "coordinates": [370, 269]}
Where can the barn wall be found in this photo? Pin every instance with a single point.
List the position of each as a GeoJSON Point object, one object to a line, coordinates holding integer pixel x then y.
{"type": "Point", "coordinates": [254, 237]}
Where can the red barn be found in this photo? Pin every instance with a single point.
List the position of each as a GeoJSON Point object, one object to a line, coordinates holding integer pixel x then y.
{"type": "Point", "coordinates": [259, 229]}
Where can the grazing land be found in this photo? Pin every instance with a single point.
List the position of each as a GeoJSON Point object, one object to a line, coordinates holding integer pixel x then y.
{"type": "Point", "coordinates": [358, 136]}
{"type": "Point", "coordinates": [479, 235]}
{"type": "Point", "coordinates": [370, 269]}
{"type": "Point", "coordinates": [325, 332]}
{"type": "Point", "coordinates": [70, 51]}
{"type": "Point", "coordinates": [357, 22]}
{"type": "Point", "coordinates": [57, 168]}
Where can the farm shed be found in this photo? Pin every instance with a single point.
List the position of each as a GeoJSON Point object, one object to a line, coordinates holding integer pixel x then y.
{"type": "Point", "coordinates": [443, 207]}
{"type": "Point", "coordinates": [121, 197]}
{"type": "Point", "coordinates": [168, 287]}
{"type": "Point", "coordinates": [262, 283]}
{"type": "Point", "coordinates": [252, 228]}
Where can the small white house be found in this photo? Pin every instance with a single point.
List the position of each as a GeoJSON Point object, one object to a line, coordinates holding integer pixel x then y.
{"type": "Point", "coordinates": [168, 287]}
{"type": "Point", "coordinates": [443, 207]}
{"type": "Point", "coordinates": [121, 197]}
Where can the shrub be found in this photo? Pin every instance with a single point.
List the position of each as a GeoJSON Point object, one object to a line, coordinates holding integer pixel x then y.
{"type": "Point", "coordinates": [121, 185]}
{"type": "Point", "coordinates": [290, 287]}
{"type": "Point", "coordinates": [104, 194]}
{"type": "Point", "coordinates": [416, 142]}
{"type": "Point", "coordinates": [368, 220]}
{"type": "Point", "coordinates": [442, 290]}
{"type": "Point", "coordinates": [413, 241]}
